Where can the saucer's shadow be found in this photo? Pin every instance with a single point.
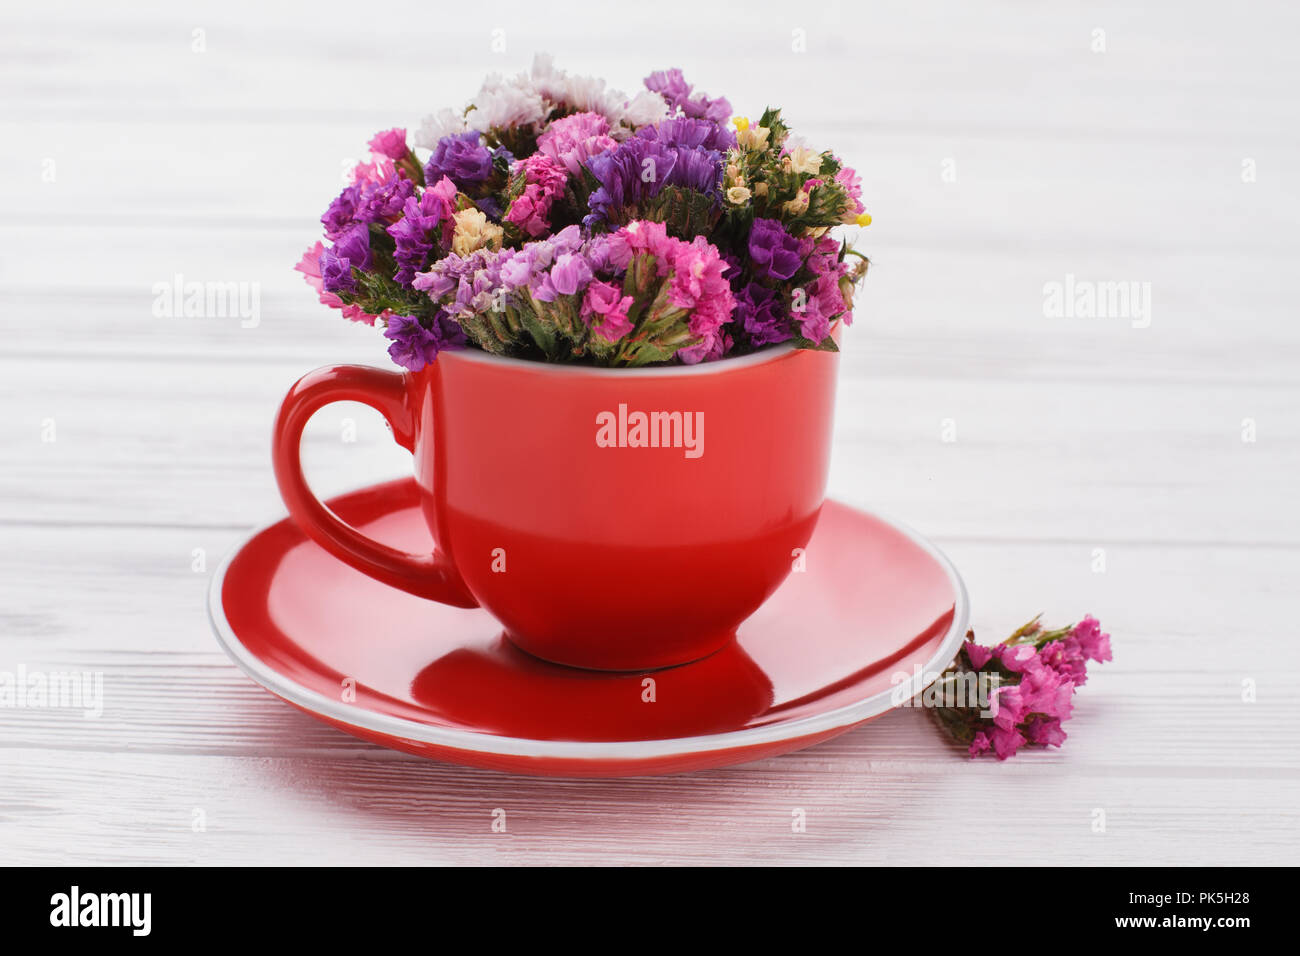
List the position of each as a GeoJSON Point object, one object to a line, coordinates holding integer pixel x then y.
{"type": "Point", "coordinates": [500, 690]}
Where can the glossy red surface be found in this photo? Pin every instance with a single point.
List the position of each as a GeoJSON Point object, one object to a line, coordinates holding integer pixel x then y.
{"type": "Point", "coordinates": [616, 558]}
{"type": "Point", "coordinates": [443, 682]}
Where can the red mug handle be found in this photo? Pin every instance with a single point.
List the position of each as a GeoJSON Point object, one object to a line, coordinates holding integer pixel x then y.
{"type": "Point", "coordinates": [430, 576]}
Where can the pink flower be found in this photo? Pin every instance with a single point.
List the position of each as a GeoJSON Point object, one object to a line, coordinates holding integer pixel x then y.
{"type": "Point", "coordinates": [573, 139]}
{"type": "Point", "coordinates": [1019, 657]}
{"type": "Point", "coordinates": [1007, 741]}
{"type": "Point", "coordinates": [977, 654]}
{"type": "Point", "coordinates": [390, 143]}
{"type": "Point", "coordinates": [545, 179]}
{"type": "Point", "coordinates": [1045, 668]}
{"type": "Point", "coordinates": [1008, 707]}
{"type": "Point", "coordinates": [606, 300]}
{"type": "Point", "coordinates": [641, 238]}
{"type": "Point", "coordinates": [823, 302]}
{"type": "Point", "coordinates": [1092, 642]}
{"type": "Point", "coordinates": [380, 170]}
{"type": "Point", "coordinates": [1046, 731]}
{"type": "Point", "coordinates": [848, 178]}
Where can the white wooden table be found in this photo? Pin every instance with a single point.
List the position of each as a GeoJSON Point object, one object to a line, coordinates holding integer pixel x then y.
{"type": "Point", "coordinates": [1000, 151]}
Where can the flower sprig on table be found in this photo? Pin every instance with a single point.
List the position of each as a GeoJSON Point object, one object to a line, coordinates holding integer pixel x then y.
{"type": "Point", "coordinates": [1036, 672]}
{"type": "Point", "coordinates": [560, 220]}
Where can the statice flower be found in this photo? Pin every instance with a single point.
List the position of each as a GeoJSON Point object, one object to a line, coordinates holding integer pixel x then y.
{"type": "Point", "coordinates": [416, 345]}
{"type": "Point", "coordinates": [570, 275]}
{"type": "Point", "coordinates": [639, 169]}
{"type": "Point", "coordinates": [336, 271]}
{"type": "Point", "coordinates": [437, 126]}
{"type": "Point", "coordinates": [544, 179]}
{"type": "Point", "coordinates": [587, 94]}
{"type": "Point", "coordinates": [852, 183]}
{"type": "Point", "coordinates": [309, 266]}
{"type": "Point", "coordinates": [819, 305]}
{"type": "Point", "coordinates": [774, 253]}
{"type": "Point", "coordinates": [504, 103]}
{"type": "Point", "coordinates": [462, 158]}
{"type": "Point", "coordinates": [423, 221]}
{"type": "Point", "coordinates": [693, 133]}
{"type": "Point", "coordinates": [1037, 675]}
{"type": "Point", "coordinates": [760, 313]}
{"type": "Point", "coordinates": [573, 140]}
{"type": "Point", "coordinates": [672, 86]}
{"type": "Point", "coordinates": [390, 143]}
{"type": "Point", "coordinates": [354, 246]}
{"type": "Point", "coordinates": [605, 309]}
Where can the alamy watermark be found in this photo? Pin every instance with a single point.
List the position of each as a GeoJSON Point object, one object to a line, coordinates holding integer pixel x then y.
{"type": "Point", "coordinates": [179, 299]}
{"type": "Point", "coordinates": [965, 689]}
{"type": "Point", "coordinates": [624, 429]}
{"type": "Point", "coordinates": [22, 689]}
{"type": "Point", "coordinates": [1085, 299]}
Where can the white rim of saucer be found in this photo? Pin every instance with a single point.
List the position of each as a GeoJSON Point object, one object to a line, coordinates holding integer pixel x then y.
{"type": "Point", "coordinates": [481, 743]}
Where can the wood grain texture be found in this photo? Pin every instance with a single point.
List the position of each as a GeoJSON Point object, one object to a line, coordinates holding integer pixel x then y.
{"type": "Point", "coordinates": [1071, 434]}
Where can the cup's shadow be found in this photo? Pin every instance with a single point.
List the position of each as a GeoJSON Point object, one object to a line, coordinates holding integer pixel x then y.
{"type": "Point", "coordinates": [499, 689]}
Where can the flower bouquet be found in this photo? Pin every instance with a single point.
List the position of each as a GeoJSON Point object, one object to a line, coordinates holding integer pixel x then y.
{"type": "Point", "coordinates": [558, 220]}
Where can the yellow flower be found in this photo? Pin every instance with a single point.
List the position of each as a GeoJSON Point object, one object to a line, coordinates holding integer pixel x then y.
{"type": "Point", "coordinates": [473, 231]}
{"type": "Point", "coordinates": [742, 123]}
{"type": "Point", "coordinates": [864, 219]}
{"type": "Point", "coordinates": [737, 195]}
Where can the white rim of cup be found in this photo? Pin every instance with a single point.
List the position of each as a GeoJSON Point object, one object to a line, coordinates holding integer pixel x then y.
{"type": "Point", "coordinates": [474, 742]}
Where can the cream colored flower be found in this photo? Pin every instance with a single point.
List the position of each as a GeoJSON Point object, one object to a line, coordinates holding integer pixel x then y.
{"type": "Point", "coordinates": [753, 137]}
{"type": "Point", "coordinates": [473, 231]}
{"type": "Point", "coordinates": [804, 160]}
{"type": "Point", "coordinates": [737, 195]}
{"type": "Point", "coordinates": [798, 205]}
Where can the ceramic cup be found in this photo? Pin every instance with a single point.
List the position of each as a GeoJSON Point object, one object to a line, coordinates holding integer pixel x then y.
{"type": "Point", "coordinates": [614, 519]}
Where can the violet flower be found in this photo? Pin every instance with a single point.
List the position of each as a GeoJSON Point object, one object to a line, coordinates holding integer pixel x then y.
{"type": "Point", "coordinates": [462, 158]}
{"type": "Point", "coordinates": [415, 346]}
{"type": "Point", "coordinates": [774, 252]}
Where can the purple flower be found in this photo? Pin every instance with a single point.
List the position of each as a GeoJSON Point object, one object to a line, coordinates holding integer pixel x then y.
{"type": "Point", "coordinates": [774, 252]}
{"type": "Point", "coordinates": [462, 158]}
{"type": "Point", "coordinates": [415, 346]}
{"type": "Point", "coordinates": [568, 276]}
{"type": "Point", "coordinates": [354, 246]}
{"type": "Point", "coordinates": [672, 86]}
{"type": "Point", "coordinates": [759, 313]}
{"type": "Point", "coordinates": [336, 273]}
{"type": "Point", "coordinates": [383, 201]}
{"type": "Point", "coordinates": [413, 233]}
{"type": "Point", "coordinates": [692, 133]}
{"type": "Point", "coordinates": [342, 211]}
{"type": "Point", "coordinates": [641, 167]}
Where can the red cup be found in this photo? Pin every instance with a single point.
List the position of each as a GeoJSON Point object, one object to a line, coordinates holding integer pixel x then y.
{"type": "Point", "coordinates": [614, 519]}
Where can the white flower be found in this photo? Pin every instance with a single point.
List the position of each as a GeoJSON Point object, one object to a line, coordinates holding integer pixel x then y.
{"type": "Point", "coordinates": [804, 160]}
{"type": "Point", "coordinates": [510, 104]}
{"type": "Point", "coordinates": [445, 122]}
{"type": "Point", "coordinates": [643, 109]}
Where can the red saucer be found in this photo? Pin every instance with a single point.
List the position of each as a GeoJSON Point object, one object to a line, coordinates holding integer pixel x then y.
{"type": "Point", "coordinates": [820, 657]}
